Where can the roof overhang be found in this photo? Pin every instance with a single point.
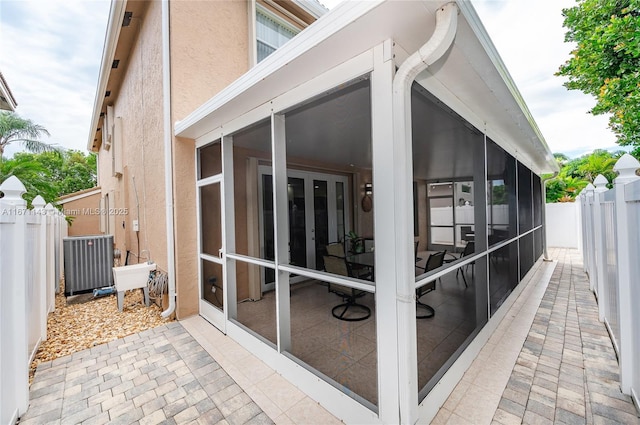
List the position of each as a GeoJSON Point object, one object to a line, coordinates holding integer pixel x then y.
{"type": "Point", "coordinates": [118, 43]}
{"type": "Point", "coordinates": [471, 78]}
{"type": "Point", "coordinates": [7, 101]}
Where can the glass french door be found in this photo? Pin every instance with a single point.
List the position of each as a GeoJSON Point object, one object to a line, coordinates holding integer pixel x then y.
{"type": "Point", "coordinates": [318, 214]}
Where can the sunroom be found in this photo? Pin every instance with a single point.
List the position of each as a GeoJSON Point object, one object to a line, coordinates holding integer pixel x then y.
{"type": "Point", "coordinates": [365, 210]}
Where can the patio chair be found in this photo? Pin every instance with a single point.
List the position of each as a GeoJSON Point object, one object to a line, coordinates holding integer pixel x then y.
{"type": "Point", "coordinates": [336, 249]}
{"type": "Point", "coordinates": [469, 249]}
{"type": "Point", "coordinates": [433, 262]}
{"type": "Point", "coordinates": [349, 310]}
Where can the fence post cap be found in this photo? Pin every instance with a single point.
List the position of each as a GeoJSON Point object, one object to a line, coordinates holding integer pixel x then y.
{"type": "Point", "coordinates": [626, 167]}
{"type": "Point", "coordinates": [589, 188]}
{"type": "Point", "coordinates": [13, 190]}
{"type": "Point", "coordinates": [601, 183]}
{"type": "Point", "coordinates": [38, 202]}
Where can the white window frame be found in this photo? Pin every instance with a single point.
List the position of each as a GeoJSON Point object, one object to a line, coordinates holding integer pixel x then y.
{"type": "Point", "coordinates": [273, 16]}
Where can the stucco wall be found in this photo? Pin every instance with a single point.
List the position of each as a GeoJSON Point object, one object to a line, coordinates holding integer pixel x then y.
{"type": "Point", "coordinates": [86, 220]}
{"type": "Point", "coordinates": [209, 50]}
{"type": "Point", "coordinates": [140, 189]}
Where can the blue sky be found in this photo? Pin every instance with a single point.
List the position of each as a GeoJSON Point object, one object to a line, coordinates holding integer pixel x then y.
{"type": "Point", "coordinates": [50, 54]}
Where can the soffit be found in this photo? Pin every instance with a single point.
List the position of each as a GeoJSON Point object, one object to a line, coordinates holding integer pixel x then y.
{"type": "Point", "coordinates": [126, 39]}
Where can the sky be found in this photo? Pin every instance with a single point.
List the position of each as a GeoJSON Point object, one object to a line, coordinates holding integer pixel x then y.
{"type": "Point", "coordinates": [50, 54]}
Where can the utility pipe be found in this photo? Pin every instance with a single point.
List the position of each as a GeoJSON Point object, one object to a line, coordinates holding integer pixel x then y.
{"type": "Point", "coordinates": [544, 214]}
{"type": "Point", "coordinates": [440, 41]}
{"type": "Point", "coordinates": [168, 160]}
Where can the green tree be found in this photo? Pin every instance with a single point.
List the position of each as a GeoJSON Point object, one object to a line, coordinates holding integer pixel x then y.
{"type": "Point", "coordinates": [50, 174]}
{"type": "Point", "coordinates": [14, 129]}
{"type": "Point", "coordinates": [606, 61]}
{"type": "Point", "coordinates": [35, 177]}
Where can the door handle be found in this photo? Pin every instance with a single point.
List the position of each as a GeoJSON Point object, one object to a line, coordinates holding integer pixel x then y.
{"type": "Point", "coordinates": [220, 254]}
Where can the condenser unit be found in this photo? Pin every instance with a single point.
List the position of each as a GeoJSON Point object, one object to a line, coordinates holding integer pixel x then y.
{"type": "Point", "coordinates": [87, 263]}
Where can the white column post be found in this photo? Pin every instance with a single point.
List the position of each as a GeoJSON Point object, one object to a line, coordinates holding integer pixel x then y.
{"type": "Point", "coordinates": [583, 228]}
{"type": "Point", "coordinates": [626, 168]}
{"type": "Point", "coordinates": [590, 249]}
{"type": "Point", "coordinates": [15, 358]}
{"type": "Point", "coordinates": [384, 187]}
{"type": "Point", "coordinates": [40, 264]}
{"type": "Point", "coordinates": [600, 243]}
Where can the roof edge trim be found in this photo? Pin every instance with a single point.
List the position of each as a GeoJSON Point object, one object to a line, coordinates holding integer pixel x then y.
{"type": "Point", "coordinates": [6, 93]}
{"type": "Point", "coordinates": [114, 25]}
{"type": "Point", "coordinates": [472, 17]}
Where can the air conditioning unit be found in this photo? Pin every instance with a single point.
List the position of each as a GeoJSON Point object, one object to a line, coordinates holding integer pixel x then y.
{"type": "Point", "coordinates": [87, 263]}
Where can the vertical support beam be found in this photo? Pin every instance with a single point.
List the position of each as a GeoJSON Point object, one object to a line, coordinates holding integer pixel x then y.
{"type": "Point", "coordinates": [383, 153]}
{"type": "Point", "coordinates": [228, 229]}
{"type": "Point", "coordinates": [626, 167]}
{"type": "Point", "coordinates": [281, 230]}
{"type": "Point", "coordinates": [599, 242]}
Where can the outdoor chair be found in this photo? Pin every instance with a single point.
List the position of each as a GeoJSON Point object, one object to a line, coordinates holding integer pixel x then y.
{"type": "Point", "coordinates": [349, 310]}
{"type": "Point", "coordinates": [433, 262]}
{"type": "Point", "coordinates": [336, 249]}
{"type": "Point", "coordinates": [469, 249]}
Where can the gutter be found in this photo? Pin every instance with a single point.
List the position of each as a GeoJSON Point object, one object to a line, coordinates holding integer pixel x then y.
{"type": "Point", "coordinates": [168, 160]}
{"type": "Point", "coordinates": [544, 213]}
{"type": "Point", "coordinates": [440, 41]}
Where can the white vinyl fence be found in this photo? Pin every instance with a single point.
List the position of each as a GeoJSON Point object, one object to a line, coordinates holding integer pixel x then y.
{"type": "Point", "coordinates": [563, 225]}
{"type": "Point", "coordinates": [30, 272]}
{"type": "Point", "coordinates": [611, 253]}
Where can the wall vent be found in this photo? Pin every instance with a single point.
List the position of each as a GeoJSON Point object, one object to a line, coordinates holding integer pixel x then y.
{"type": "Point", "coordinates": [88, 262]}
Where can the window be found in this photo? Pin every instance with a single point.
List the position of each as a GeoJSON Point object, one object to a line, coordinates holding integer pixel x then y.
{"type": "Point", "coordinates": [271, 32]}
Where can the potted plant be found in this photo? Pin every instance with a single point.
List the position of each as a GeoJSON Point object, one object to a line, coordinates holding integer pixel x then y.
{"type": "Point", "coordinates": [356, 243]}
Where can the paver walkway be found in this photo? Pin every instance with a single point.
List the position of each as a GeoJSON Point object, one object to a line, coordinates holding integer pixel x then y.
{"type": "Point", "coordinates": [567, 372]}
{"type": "Point", "coordinates": [161, 375]}
{"type": "Point", "coordinates": [549, 361]}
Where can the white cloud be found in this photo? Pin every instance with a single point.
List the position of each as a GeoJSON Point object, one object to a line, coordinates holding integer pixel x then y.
{"type": "Point", "coordinates": [530, 39]}
{"type": "Point", "coordinates": [51, 54]}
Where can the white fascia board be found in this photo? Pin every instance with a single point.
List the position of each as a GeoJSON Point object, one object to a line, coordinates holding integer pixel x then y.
{"type": "Point", "coordinates": [114, 25]}
{"type": "Point", "coordinates": [470, 14]}
{"type": "Point", "coordinates": [343, 15]}
{"type": "Point", "coordinates": [80, 196]}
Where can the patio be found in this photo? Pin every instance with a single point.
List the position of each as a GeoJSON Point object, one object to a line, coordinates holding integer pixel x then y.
{"type": "Point", "coordinates": [549, 361]}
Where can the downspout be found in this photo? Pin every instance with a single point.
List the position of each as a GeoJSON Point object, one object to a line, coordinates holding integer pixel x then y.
{"type": "Point", "coordinates": [168, 160]}
{"type": "Point", "coordinates": [430, 52]}
{"type": "Point", "coordinates": [544, 214]}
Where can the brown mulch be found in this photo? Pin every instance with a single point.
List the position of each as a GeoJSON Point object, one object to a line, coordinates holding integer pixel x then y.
{"type": "Point", "coordinates": [83, 322]}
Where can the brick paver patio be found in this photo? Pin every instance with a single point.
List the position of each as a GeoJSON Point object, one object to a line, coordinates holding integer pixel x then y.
{"type": "Point", "coordinates": [567, 372]}
{"type": "Point", "coordinates": [161, 375]}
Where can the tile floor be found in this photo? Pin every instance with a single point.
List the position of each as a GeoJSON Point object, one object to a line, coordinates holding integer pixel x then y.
{"type": "Point", "coordinates": [345, 352]}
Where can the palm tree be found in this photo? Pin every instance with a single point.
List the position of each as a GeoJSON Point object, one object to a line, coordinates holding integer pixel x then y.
{"type": "Point", "coordinates": [21, 130]}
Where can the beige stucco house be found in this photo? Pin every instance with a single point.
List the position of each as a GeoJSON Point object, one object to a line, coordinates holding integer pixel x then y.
{"type": "Point", "coordinates": [240, 157]}
{"type": "Point", "coordinates": [136, 102]}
